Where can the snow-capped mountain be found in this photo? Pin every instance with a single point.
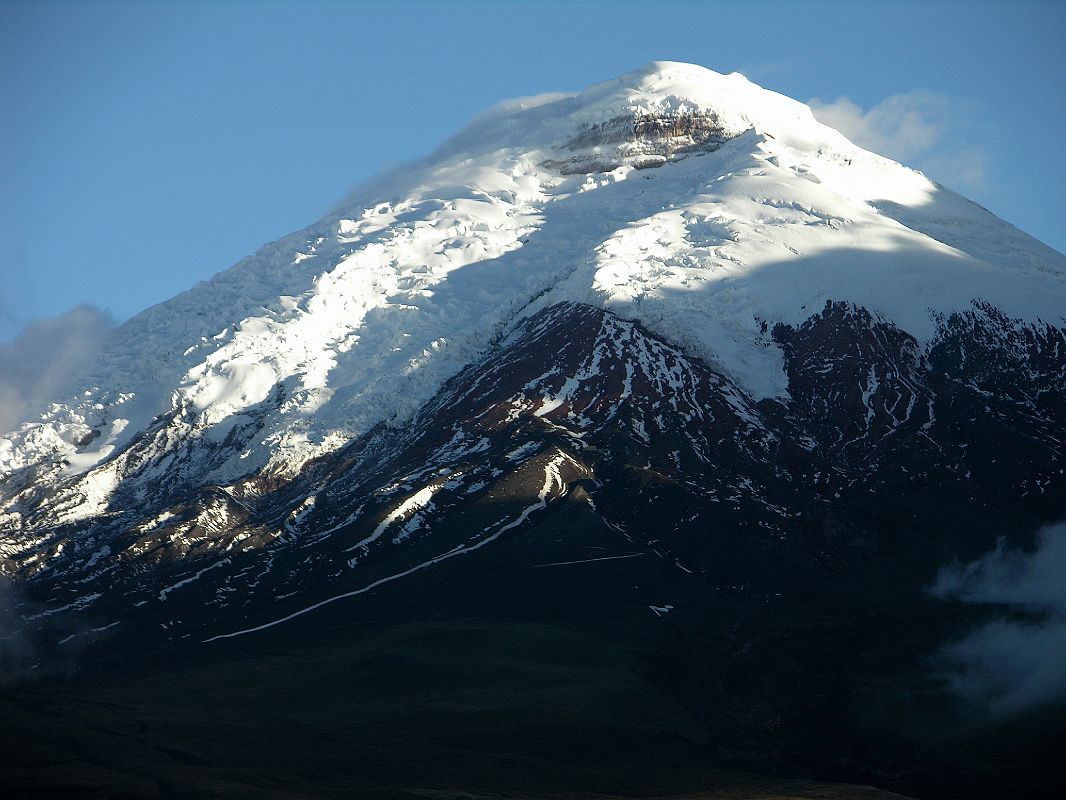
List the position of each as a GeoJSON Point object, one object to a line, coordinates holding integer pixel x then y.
{"type": "Point", "coordinates": [699, 204]}
{"type": "Point", "coordinates": [710, 211]}
{"type": "Point", "coordinates": [670, 328]}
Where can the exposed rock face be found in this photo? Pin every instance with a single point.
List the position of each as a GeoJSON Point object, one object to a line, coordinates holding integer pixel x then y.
{"type": "Point", "coordinates": [642, 141]}
{"type": "Point", "coordinates": [1001, 356]}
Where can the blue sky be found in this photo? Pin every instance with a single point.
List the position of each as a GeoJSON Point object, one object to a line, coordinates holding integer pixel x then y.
{"type": "Point", "coordinates": [146, 146]}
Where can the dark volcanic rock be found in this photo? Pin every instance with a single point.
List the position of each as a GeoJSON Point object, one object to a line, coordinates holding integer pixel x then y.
{"type": "Point", "coordinates": [776, 555]}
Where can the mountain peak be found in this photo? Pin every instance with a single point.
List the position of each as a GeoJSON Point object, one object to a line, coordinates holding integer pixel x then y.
{"type": "Point", "coordinates": [677, 82]}
{"type": "Point", "coordinates": [660, 100]}
{"type": "Point", "coordinates": [673, 77]}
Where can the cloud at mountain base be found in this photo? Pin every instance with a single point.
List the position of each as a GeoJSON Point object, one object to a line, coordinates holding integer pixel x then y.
{"type": "Point", "coordinates": [1018, 660]}
{"type": "Point", "coordinates": [39, 364]}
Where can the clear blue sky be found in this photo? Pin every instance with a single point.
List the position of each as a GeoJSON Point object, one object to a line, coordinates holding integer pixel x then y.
{"type": "Point", "coordinates": [146, 146]}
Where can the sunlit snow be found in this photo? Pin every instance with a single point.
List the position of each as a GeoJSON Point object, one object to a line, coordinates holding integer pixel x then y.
{"type": "Point", "coordinates": [362, 316]}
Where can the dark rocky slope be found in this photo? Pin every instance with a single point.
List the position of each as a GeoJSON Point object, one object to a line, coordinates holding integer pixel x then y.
{"type": "Point", "coordinates": [750, 577]}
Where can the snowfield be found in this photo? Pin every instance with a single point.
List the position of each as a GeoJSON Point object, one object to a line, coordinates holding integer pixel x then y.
{"type": "Point", "coordinates": [700, 204]}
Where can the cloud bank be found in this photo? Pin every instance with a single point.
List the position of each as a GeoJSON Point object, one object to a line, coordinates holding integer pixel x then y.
{"type": "Point", "coordinates": [37, 367]}
{"type": "Point", "coordinates": [918, 128]}
{"type": "Point", "coordinates": [1017, 661]}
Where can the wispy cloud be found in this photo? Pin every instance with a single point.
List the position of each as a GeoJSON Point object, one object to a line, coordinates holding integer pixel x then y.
{"type": "Point", "coordinates": [919, 128]}
{"type": "Point", "coordinates": [38, 366]}
{"type": "Point", "coordinates": [1019, 659]}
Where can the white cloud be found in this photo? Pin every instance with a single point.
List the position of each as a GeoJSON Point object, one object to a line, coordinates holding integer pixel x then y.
{"type": "Point", "coordinates": [919, 128]}
{"type": "Point", "coordinates": [964, 167]}
{"type": "Point", "coordinates": [1017, 661]}
{"type": "Point", "coordinates": [39, 365]}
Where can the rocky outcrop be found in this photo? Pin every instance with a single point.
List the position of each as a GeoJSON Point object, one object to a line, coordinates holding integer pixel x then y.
{"type": "Point", "coordinates": [642, 141]}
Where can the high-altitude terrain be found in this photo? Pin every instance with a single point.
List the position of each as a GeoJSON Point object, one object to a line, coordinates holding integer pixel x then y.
{"type": "Point", "coordinates": [614, 448]}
